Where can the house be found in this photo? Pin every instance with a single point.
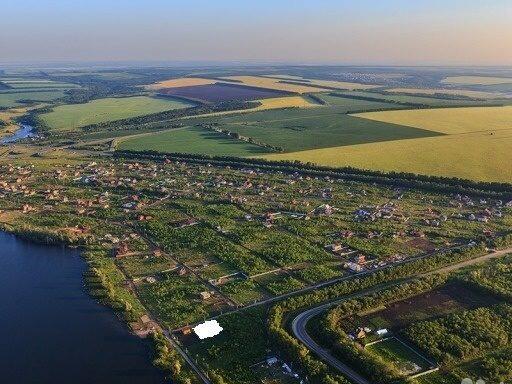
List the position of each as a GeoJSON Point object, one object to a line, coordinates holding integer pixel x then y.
{"type": "Point", "coordinates": [360, 334]}
{"type": "Point", "coordinates": [271, 216]}
{"type": "Point", "coordinates": [286, 368]}
{"type": "Point", "coordinates": [324, 209]}
{"type": "Point", "coordinates": [271, 360]}
{"type": "Point", "coordinates": [482, 218]}
{"type": "Point", "coordinates": [27, 208]}
{"type": "Point", "coordinates": [382, 332]}
{"type": "Point", "coordinates": [360, 259]}
{"type": "Point", "coordinates": [353, 267]}
{"type": "Point", "coordinates": [205, 295]}
{"type": "Point", "coordinates": [334, 247]}
{"type": "Point", "coordinates": [121, 250]}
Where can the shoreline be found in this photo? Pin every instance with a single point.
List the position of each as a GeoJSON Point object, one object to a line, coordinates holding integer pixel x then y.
{"type": "Point", "coordinates": [163, 344]}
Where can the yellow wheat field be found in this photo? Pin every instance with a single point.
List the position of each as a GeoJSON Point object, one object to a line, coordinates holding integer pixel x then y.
{"type": "Point", "coordinates": [285, 77]}
{"type": "Point", "coordinates": [325, 83]}
{"type": "Point", "coordinates": [448, 120]}
{"type": "Point", "coordinates": [285, 102]}
{"type": "Point", "coordinates": [431, 91]}
{"type": "Point", "coordinates": [476, 156]}
{"type": "Point", "coordinates": [477, 80]}
{"type": "Point", "coordinates": [341, 84]}
{"type": "Point", "coordinates": [265, 82]}
{"type": "Point", "coordinates": [181, 82]}
{"type": "Point", "coordinates": [266, 104]}
{"type": "Point", "coordinates": [477, 144]}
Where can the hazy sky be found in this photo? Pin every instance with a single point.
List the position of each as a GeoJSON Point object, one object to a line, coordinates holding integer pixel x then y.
{"type": "Point", "coordinates": [477, 32]}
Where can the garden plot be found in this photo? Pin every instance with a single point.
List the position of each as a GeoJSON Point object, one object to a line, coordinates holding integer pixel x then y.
{"type": "Point", "coordinates": [408, 361]}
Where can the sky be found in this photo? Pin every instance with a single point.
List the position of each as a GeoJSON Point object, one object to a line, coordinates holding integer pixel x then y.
{"type": "Point", "coordinates": [387, 32]}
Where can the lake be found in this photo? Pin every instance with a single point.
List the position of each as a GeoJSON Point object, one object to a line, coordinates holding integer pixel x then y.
{"type": "Point", "coordinates": [52, 331]}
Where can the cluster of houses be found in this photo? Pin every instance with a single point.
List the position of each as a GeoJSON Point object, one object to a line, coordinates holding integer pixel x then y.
{"type": "Point", "coordinates": [274, 362]}
{"type": "Point", "coordinates": [386, 211]}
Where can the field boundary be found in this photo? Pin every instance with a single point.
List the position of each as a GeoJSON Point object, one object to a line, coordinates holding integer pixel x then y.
{"type": "Point", "coordinates": [417, 353]}
{"type": "Point", "coordinates": [402, 179]}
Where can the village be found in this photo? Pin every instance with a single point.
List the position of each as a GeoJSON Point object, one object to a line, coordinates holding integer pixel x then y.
{"type": "Point", "coordinates": [227, 238]}
{"type": "Point", "coordinates": [192, 243]}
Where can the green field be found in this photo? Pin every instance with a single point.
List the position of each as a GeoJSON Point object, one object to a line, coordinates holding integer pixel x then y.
{"type": "Point", "coordinates": [192, 140]}
{"type": "Point", "coordinates": [426, 101]}
{"type": "Point", "coordinates": [300, 129]}
{"type": "Point", "coordinates": [403, 357]}
{"type": "Point", "coordinates": [475, 143]}
{"type": "Point", "coordinates": [18, 83]}
{"type": "Point", "coordinates": [72, 116]}
{"type": "Point", "coordinates": [12, 99]}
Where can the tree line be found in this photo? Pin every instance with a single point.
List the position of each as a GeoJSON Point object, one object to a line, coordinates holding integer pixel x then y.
{"type": "Point", "coordinates": [395, 179]}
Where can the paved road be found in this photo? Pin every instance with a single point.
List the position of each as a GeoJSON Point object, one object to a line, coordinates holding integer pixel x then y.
{"type": "Point", "coordinates": [299, 330]}
{"type": "Point", "coordinates": [327, 283]}
{"type": "Point", "coordinates": [205, 379]}
{"type": "Point", "coordinates": [300, 321]}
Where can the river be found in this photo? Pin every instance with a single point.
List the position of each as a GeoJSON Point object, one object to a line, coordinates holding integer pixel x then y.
{"type": "Point", "coordinates": [23, 132]}
{"type": "Point", "coordinates": [52, 331]}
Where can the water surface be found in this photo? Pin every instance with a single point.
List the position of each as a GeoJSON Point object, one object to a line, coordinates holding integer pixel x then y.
{"type": "Point", "coordinates": [51, 331]}
{"type": "Point", "coordinates": [23, 132]}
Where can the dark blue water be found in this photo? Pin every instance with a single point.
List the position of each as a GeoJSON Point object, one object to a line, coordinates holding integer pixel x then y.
{"type": "Point", "coordinates": [51, 331]}
{"type": "Point", "coordinates": [23, 132]}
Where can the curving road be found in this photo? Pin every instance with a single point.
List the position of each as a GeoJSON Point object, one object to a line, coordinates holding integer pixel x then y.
{"type": "Point", "coordinates": [300, 321]}
{"type": "Point", "coordinates": [299, 330]}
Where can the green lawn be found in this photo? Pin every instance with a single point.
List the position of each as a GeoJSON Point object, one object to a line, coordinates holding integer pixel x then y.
{"type": "Point", "coordinates": [400, 355]}
{"type": "Point", "coordinates": [72, 116]}
{"type": "Point", "coordinates": [192, 140]}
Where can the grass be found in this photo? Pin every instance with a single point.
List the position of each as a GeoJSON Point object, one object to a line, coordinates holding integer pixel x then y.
{"type": "Point", "coordinates": [180, 82]}
{"type": "Point", "coordinates": [400, 355]}
{"type": "Point", "coordinates": [453, 92]}
{"type": "Point", "coordinates": [284, 102]}
{"type": "Point", "coordinates": [12, 99]}
{"type": "Point", "coordinates": [341, 84]}
{"type": "Point", "coordinates": [192, 140]}
{"type": "Point", "coordinates": [243, 343]}
{"type": "Point", "coordinates": [267, 104]}
{"type": "Point", "coordinates": [420, 100]}
{"type": "Point", "coordinates": [477, 80]}
{"type": "Point", "coordinates": [476, 156]}
{"type": "Point", "coordinates": [308, 128]}
{"type": "Point", "coordinates": [476, 143]}
{"type": "Point", "coordinates": [307, 86]}
{"type": "Point", "coordinates": [73, 116]}
{"type": "Point", "coordinates": [449, 121]}
{"type": "Point", "coordinates": [265, 82]}
{"type": "Point", "coordinates": [36, 84]}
